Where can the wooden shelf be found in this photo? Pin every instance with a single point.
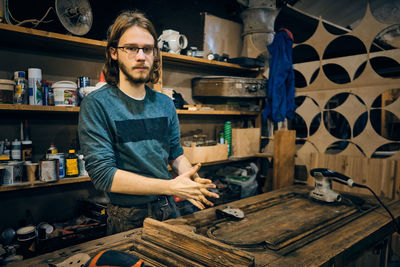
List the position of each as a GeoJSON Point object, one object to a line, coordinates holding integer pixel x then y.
{"type": "Point", "coordinates": [36, 184]}
{"type": "Point", "coordinates": [62, 181]}
{"type": "Point", "coordinates": [202, 62]}
{"type": "Point", "coordinates": [39, 40]}
{"type": "Point", "coordinates": [10, 107]}
{"type": "Point", "coordinates": [216, 112]}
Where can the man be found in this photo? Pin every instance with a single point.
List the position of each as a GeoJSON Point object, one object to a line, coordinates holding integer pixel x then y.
{"type": "Point", "coordinates": [129, 133]}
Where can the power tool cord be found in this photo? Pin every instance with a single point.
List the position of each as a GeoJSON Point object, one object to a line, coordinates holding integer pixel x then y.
{"type": "Point", "coordinates": [395, 222]}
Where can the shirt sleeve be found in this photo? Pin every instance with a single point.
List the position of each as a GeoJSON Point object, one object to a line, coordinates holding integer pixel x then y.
{"type": "Point", "coordinates": [175, 149]}
{"type": "Point", "coordinates": [96, 143]}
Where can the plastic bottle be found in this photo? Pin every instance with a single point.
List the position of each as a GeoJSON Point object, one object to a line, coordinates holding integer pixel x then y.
{"type": "Point", "coordinates": [45, 93]}
{"type": "Point", "coordinates": [21, 88]}
{"type": "Point", "coordinates": [51, 95]}
{"type": "Point", "coordinates": [71, 164]}
{"type": "Point", "coordinates": [221, 138]}
{"type": "Point", "coordinates": [52, 149]}
{"type": "Point", "coordinates": [16, 150]}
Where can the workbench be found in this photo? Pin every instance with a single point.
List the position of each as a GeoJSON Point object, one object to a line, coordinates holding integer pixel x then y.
{"type": "Point", "coordinates": [330, 242]}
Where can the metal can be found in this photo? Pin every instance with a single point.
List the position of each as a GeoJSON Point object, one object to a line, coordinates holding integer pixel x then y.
{"type": "Point", "coordinates": [48, 170]}
{"type": "Point", "coordinates": [61, 163]}
{"type": "Point", "coordinates": [13, 172]}
{"type": "Point", "coordinates": [83, 82]}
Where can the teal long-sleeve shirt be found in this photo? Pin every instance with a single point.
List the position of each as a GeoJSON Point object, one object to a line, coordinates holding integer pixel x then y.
{"type": "Point", "coordinates": [119, 132]}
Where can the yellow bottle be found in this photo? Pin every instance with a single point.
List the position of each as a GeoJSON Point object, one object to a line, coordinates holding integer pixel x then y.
{"type": "Point", "coordinates": [71, 164]}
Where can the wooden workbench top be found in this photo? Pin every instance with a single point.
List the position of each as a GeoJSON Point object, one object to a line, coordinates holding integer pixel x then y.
{"type": "Point", "coordinates": [336, 246]}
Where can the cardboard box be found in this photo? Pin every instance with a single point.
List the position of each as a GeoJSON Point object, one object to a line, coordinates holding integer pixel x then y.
{"type": "Point", "coordinates": [201, 154]}
{"type": "Point", "coordinates": [245, 142]}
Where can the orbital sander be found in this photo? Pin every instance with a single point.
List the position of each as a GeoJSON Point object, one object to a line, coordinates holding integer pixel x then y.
{"type": "Point", "coordinates": [323, 189]}
{"type": "Point", "coordinates": [323, 184]}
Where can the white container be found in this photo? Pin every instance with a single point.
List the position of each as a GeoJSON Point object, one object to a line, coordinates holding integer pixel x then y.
{"type": "Point", "coordinates": [6, 91]}
{"type": "Point", "coordinates": [35, 86]}
{"type": "Point", "coordinates": [65, 93]}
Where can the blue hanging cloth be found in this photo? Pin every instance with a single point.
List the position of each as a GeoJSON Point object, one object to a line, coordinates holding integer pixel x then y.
{"type": "Point", "coordinates": [280, 97]}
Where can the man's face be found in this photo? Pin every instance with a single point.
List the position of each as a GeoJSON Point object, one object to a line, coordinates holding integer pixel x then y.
{"type": "Point", "coordinates": [135, 65]}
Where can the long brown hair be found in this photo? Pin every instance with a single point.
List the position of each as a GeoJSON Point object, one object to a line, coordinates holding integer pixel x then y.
{"type": "Point", "coordinates": [122, 23]}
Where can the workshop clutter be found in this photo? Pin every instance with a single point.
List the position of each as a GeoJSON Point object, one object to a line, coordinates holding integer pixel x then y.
{"type": "Point", "coordinates": [29, 88]}
{"type": "Point", "coordinates": [243, 176]}
{"type": "Point", "coordinates": [198, 148]}
{"type": "Point", "coordinates": [34, 239]}
{"type": "Point", "coordinates": [17, 166]}
{"type": "Point", "coordinates": [232, 142]}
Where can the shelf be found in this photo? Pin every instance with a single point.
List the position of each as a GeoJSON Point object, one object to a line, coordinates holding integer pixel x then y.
{"type": "Point", "coordinates": [202, 62]}
{"type": "Point", "coordinates": [36, 184]}
{"type": "Point", "coordinates": [81, 179]}
{"type": "Point", "coordinates": [11, 107]}
{"type": "Point", "coordinates": [11, 36]}
{"type": "Point", "coordinates": [33, 39]}
{"type": "Point", "coordinates": [216, 112]}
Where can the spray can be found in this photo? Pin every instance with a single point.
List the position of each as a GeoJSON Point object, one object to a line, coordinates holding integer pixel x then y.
{"type": "Point", "coordinates": [21, 88]}
{"type": "Point", "coordinates": [35, 86]}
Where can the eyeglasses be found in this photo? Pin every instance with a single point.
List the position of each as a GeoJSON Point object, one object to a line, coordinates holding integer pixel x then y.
{"type": "Point", "coordinates": [133, 50]}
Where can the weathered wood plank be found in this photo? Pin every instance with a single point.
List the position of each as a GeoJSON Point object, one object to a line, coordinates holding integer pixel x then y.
{"type": "Point", "coordinates": [345, 243]}
{"type": "Point", "coordinates": [284, 152]}
{"type": "Point", "coordinates": [196, 247]}
{"type": "Point", "coordinates": [163, 256]}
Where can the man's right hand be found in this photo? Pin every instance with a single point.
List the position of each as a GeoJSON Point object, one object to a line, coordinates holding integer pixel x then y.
{"type": "Point", "coordinates": [195, 191]}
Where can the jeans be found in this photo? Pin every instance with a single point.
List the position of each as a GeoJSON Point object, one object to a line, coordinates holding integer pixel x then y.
{"type": "Point", "coordinates": [121, 219]}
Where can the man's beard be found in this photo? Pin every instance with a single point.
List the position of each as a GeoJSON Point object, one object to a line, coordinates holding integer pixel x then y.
{"type": "Point", "coordinates": [141, 77]}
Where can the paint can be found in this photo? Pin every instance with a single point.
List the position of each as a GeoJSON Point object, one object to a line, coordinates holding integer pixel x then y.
{"type": "Point", "coordinates": [44, 230]}
{"type": "Point", "coordinates": [31, 171]}
{"type": "Point", "coordinates": [2, 173]}
{"type": "Point", "coordinates": [6, 91]}
{"type": "Point", "coordinates": [48, 170]}
{"type": "Point", "coordinates": [26, 237]}
{"type": "Point", "coordinates": [61, 163]}
{"type": "Point", "coordinates": [13, 172]}
{"type": "Point", "coordinates": [65, 93]}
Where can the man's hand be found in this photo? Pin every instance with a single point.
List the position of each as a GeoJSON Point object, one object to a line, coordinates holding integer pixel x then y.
{"type": "Point", "coordinates": [195, 191]}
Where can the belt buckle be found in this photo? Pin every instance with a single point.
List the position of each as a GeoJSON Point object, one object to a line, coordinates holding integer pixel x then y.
{"type": "Point", "coordinates": [163, 199]}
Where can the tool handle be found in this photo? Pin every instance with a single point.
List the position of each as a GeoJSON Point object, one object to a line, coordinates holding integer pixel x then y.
{"type": "Point", "coordinates": [338, 177]}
